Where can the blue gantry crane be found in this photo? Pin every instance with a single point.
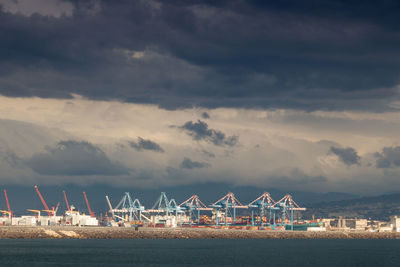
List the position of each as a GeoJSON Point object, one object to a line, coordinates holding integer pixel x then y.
{"type": "Point", "coordinates": [287, 206]}
{"type": "Point", "coordinates": [131, 207]}
{"type": "Point", "coordinates": [165, 206]}
{"type": "Point", "coordinates": [228, 205]}
{"type": "Point", "coordinates": [265, 205]}
{"type": "Point", "coordinates": [193, 205]}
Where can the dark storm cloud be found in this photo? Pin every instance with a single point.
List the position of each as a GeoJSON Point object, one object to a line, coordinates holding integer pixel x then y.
{"type": "Point", "coordinates": [73, 158]}
{"type": "Point", "coordinates": [306, 54]}
{"type": "Point", "coordinates": [205, 115]}
{"type": "Point", "coordinates": [143, 144]}
{"type": "Point", "coordinates": [388, 158]}
{"type": "Point", "coordinates": [347, 155]}
{"type": "Point", "coordinates": [187, 163]}
{"type": "Point", "coordinates": [199, 131]}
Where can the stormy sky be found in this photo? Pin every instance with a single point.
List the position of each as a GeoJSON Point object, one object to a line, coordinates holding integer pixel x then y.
{"type": "Point", "coordinates": [294, 95]}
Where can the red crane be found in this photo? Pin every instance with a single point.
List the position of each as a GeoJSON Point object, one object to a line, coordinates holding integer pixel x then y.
{"type": "Point", "coordinates": [42, 199]}
{"type": "Point", "coordinates": [8, 203]}
{"type": "Point", "coordinates": [87, 204]}
{"type": "Point", "coordinates": [66, 201]}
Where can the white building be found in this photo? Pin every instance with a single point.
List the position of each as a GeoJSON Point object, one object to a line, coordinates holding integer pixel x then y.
{"type": "Point", "coordinates": [76, 219]}
{"type": "Point", "coordinates": [24, 220]}
{"type": "Point", "coordinates": [395, 222]}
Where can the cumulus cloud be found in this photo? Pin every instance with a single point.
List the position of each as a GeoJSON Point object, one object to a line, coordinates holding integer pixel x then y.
{"type": "Point", "coordinates": [143, 144]}
{"type": "Point", "coordinates": [285, 143]}
{"type": "Point", "coordinates": [347, 155]}
{"type": "Point", "coordinates": [74, 158]}
{"type": "Point", "coordinates": [187, 163]}
{"type": "Point", "coordinates": [199, 131]}
{"type": "Point", "coordinates": [388, 158]}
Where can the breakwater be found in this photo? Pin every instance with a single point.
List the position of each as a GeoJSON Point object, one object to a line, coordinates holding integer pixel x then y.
{"type": "Point", "coordinates": [177, 233]}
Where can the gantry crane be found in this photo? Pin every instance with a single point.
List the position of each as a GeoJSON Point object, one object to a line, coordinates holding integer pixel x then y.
{"type": "Point", "coordinates": [163, 205]}
{"type": "Point", "coordinates": [129, 206]}
{"type": "Point", "coordinates": [287, 205]}
{"type": "Point", "coordinates": [264, 203]}
{"type": "Point", "coordinates": [228, 202]}
{"type": "Point", "coordinates": [177, 209]}
{"type": "Point", "coordinates": [194, 206]}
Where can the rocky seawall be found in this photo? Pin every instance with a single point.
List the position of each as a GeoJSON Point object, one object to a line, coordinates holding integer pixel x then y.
{"type": "Point", "coordinates": [177, 233]}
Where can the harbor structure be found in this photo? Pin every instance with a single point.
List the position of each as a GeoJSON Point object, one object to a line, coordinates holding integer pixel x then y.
{"type": "Point", "coordinates": [166, 212]}
{"type": "Point", "coordinates": [194, 206]}
{"type": "Point", "coordinates": [225, 209]}
{"type": "Point", "coordinates": [263, 213]}
{"type": "Point", "coordinates": [264, 206]}
{"type": "Point", "coordinates": [287, 206]}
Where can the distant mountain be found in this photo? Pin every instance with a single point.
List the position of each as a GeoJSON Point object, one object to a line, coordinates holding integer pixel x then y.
{"type": "Point", "coordinates": [377, 207]}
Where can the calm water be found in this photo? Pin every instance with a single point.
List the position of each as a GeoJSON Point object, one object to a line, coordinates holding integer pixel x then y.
{"type": "Point", "coordinates": [200, 252]}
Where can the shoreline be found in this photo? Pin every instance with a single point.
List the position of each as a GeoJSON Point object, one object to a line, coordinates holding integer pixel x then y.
{"type": "Point", "coordinates": [70, 232]}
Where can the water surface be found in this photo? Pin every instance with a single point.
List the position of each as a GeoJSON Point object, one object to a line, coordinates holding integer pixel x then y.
{"type": "Point", "coordinates": [193, 252]}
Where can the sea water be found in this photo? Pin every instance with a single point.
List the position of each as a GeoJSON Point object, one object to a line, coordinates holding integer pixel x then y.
{"type": "Point", "coordinates": [203, 252]}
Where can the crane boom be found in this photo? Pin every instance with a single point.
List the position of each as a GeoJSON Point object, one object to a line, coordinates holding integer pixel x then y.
{"type": "Point", "coordinates": [8, 203]}
{"type": "Point", "coordinates": [36, 211]}
{"type": "Point", "coordinates": [66, 201]}
{"type": "Point", "coordinates": [55, 211]}
{"type": "Point", "coordinates": [110, 207]}
{"type": "Point", "coordinates": [42, 199]}
{"type": "Point", "coordinates": [87, 204]}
